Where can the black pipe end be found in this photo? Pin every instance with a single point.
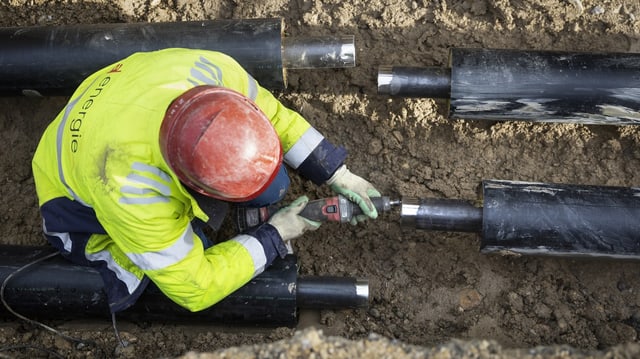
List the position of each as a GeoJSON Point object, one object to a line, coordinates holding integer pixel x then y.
{"type": "Point", "coordinates": [441, 214]}
{"type": "Point", "coordinates": [332, 293]}
{"type": "Point", "coordinates": [427, 82]}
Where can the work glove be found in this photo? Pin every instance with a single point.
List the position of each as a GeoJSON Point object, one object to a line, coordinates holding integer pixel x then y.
{"type": "Point", "coordinates": [357, 190]}
{"type": "Point", "coordinates": [289, 224]}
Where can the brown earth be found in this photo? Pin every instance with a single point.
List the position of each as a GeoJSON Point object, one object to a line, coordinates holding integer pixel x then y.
{"type": "Point", "coordinates": [427, 288]}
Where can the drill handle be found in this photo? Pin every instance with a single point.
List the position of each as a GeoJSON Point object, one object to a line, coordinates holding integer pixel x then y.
{"type": "Point", "coordinates": [333, 209]}
{"type": "Point", "coordinates": [339, 209]}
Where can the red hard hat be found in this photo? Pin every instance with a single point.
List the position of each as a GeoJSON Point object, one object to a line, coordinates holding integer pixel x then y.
{"type": "Point", "coordinates": [220, 143]}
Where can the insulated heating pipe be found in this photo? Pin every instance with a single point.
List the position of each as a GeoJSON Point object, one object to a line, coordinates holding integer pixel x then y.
{"type": "Point", "coordinates": [53, 60]}
{"type": "Point", "coordinates": [539, 218]}
{"type": "Point", "coordinates": [536, 86]}
{"type": "Point", "coordinates": [57, 289]}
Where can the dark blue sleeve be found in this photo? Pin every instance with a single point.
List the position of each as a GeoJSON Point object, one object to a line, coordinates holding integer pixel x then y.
{"type": "Point", "coordinates": [65, 215]}
{"type": "Point", "coordinates": [271, 241]}
{"type": "Point", "coordinates": [321, 164]}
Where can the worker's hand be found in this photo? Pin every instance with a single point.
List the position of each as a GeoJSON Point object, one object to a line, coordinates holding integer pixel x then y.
{"type": "Point", "coordinates": [357, 190]}
{"type": "Point", "coordinates": [289, 224]}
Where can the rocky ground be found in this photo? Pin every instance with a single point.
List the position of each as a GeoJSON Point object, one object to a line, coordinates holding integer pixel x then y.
{"type": "Point", "coordinates": [432, 293]}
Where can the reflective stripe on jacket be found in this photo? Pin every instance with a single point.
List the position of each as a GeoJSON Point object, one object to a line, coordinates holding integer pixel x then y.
{"type": "Point", "coordinates": [102, 152]}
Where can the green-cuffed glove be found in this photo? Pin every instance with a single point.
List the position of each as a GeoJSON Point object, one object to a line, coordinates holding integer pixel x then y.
{"type": "Point", "coordinates": [289, 224]}
{"type": "Point", "coordinates": [357, 190]}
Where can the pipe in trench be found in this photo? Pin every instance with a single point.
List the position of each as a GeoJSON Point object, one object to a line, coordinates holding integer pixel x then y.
{"type": "Point", "coordinates": [54, 60]}
{"type": "Point", "coordinates": [539, 218]}
{"type": "Point", "coordinates": [58, 289]}
{"type": "Point", "coordinates": [536, 86]}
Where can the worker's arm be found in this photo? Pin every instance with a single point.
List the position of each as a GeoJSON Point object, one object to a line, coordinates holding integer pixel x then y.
{"type": "Point", "coordinates": [195, 278]}
{"type": "Point", "coordinates": [148, 216]}
{"type": "Point", "coordinates": [201, 278]}
{"type": "Point", "coordinates": [149, 219]}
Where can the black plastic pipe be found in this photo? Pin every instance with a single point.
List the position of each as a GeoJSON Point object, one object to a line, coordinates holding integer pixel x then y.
{"type": "Point", "coordinates": [57, 289]}
{"type": "Point", "coordinates": [53, 60]}
{"type": "Point", "coordinates": [537, 86]}
{"type": "Point", "coordinates": [557, 219]}
{"type": "Point", "coordinates": [540, 218]}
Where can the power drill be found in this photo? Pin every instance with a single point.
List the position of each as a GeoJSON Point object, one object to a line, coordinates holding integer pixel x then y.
{"type": "Point", "coordinates": [332, 209]}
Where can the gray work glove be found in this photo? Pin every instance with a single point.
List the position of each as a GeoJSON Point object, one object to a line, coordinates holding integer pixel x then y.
{"type": "Point", "coordinates": [357, 190]}
{"type": "Point", "coordinates": [289, 224]}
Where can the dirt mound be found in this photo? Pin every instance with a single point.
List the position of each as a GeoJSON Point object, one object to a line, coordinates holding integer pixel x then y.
{"type": "Point", "coordinates": [314, 344]}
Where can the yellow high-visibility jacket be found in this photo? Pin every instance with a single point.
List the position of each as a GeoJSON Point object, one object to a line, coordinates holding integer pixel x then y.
{"type": "Point", "coordinates": [109, 199]}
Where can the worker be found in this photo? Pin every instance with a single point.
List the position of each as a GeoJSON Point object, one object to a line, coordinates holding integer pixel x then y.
{"type": "Point", "coordinates": [152, 147]}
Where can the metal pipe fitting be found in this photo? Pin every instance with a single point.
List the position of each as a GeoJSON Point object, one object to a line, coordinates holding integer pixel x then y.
{"type": "Point", "coordinates": [318, 52]}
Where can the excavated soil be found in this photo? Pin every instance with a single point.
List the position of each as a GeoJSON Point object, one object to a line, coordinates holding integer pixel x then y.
{"type": "Point", "coordinates": [433, 294]}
